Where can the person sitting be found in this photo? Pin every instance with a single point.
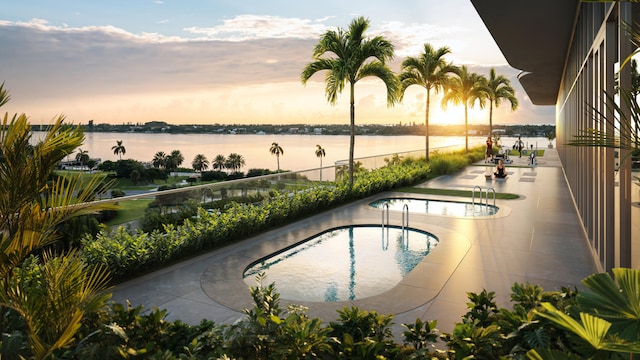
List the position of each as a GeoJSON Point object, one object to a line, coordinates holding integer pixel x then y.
{"type": "Point", "coordinates": [501, 170]}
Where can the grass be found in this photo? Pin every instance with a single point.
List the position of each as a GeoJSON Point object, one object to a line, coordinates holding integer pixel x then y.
{"type": "Point", "coordinates": [450, 192]}
{"type": "Point", "coordinates": [130, 210]}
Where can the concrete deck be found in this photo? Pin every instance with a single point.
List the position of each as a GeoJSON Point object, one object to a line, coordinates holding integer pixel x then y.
{"type": "Point", "coordinates": [534, 239]}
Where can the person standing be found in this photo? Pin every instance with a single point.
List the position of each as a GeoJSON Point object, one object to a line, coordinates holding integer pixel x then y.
{"type": "Point", "coordinates": [489, 151]}
{"type": "Point", "coordinates": [520, 146]}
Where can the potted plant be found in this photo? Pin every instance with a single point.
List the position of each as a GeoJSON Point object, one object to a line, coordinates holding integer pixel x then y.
{"type": "Point", "coordinates": [551, 135]}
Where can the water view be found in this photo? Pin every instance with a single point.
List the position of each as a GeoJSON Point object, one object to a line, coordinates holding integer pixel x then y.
{"type": "Point", "coordinates": [299, 150]}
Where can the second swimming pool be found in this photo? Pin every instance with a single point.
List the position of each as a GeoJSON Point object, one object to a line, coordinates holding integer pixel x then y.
{"type": "Point", "coordinates": [437, 207]}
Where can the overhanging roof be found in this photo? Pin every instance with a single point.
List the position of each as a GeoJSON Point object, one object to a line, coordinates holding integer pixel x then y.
{"type": "Point", "coordinates": [534, 36]}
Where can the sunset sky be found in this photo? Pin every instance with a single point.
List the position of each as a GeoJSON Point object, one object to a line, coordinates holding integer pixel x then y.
{"type": "Point", "coordinates": [227, 61]}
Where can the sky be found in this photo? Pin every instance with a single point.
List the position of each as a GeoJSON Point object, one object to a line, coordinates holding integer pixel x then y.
{"type": "Point", "coordinates": [229, 61]}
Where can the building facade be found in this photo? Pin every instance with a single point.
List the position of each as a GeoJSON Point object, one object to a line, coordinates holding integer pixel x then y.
{"type": "Point", "coordinates": [570, 54]}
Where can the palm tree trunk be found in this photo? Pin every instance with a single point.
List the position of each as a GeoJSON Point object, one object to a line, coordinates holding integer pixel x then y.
{"type": "Point", "coordinates": [352, 137]}
{"type": "Point", "coordinates": [466, 129]}
{"type": "Point", "coordinates": [426, 127]}
{"type": "Point", "coordinates": [490, 118]}
{"type": "Point", "coordinates": [320, 168]}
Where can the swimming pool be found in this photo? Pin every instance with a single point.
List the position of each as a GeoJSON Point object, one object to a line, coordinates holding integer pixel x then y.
{"type": "Point", "coordinates": [437, 207]}
{"type": "Point", "coordinates": [345, 263]}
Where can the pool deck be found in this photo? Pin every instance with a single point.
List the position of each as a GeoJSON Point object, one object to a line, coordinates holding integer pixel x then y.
{"type": "Point", "coordinates": [534, 239]}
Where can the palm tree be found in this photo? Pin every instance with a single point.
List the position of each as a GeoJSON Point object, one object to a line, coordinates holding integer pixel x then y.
{"type": "Point", "coordinates": [498, 88]}
{"type": "Point", "coordinates": [159, 160]}
{"type": "Point", "coordinates": [276, 150]}
{"type": "Point", "coordinates": [320, 153]}
{"type": "Point", "coordinates": [340, 170]}
{"type": "Point", "coordinates": [82, 157]}
{"type": "Point", "coordinates": [235, 161]}
{"type": "Point", "coordinates": [465, 89]}
{"type": "Point", "coordinates": [430, 71]}
{"type": "Point", "coordinates": [349, 64]}
{"type": "Point", "coordinates": [118, 149]}
{"type": "Point", "coordinates": [54, 306]}
{"type": "Point", "coordinates": [219, 163]}
{"type": "Point", "coordinates": [200, 163]}
{"type": "Point", "coordinates": [174, 160]}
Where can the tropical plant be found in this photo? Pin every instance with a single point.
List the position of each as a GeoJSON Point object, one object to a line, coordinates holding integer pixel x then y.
{"type": "Point", "coordinates": [497, 89]}
{"type": "Point", "coordinates": [234, 162]}
{"type": "Point", "coordinates": [320, 153]}
{"type": "Point", "coordinates": [465, 89]}
{"type": "Point", "coordinates": [430, 71]}
{"type": "Point", "coordinates": [343, 170]}
{"type": "Point", "coordinates": [276, 150]}
{"type": "Point", "coordinates": [174, 160]}
{"type": "Point", "coordinates": [82, 156]}
{"type": "Point", "coordinates": [349, 64]}
{"type": "Point", "coordinates": [219, 162]}
{"type": "Point", "coordinates": [160, 160]}
{"type": "Point", "coordinates": [119, 149]}
{"type": "Point", "coordinates": [51, 294]}
{"type": "Point", "coordinates": [200, 163]}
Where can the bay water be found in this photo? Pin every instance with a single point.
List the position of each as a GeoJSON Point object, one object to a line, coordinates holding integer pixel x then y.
{"type": "Point", "coordinates": [298, 149]}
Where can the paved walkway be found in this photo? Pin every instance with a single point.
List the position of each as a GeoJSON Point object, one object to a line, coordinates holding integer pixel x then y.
{"type": "Point", "coordinates": [534, 239]}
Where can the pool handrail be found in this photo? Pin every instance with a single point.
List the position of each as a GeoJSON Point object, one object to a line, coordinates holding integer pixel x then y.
{"type": "Point", "coordinates": [486, 194]}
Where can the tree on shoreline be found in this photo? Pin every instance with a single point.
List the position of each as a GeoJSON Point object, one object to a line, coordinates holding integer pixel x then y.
{"type": "Point", "coordinates": [119, 149]}
{"type": "Point", "coordinates": [200, 163]}
{"type": "Point", "coordinates": [430, 71]}
{"type": "Point", "coordinates": [320, 153]}
{"type": "Point", "coordinates": [160, 160]}
{"type": "Point", "coordinates": [219, 162]}
{"type": "Point", "coordinates": [349, 64]}
{"type": "Point", "coordinates": [465, 89]}
{"type": "Point", "coordinates": [174, 160]}
{"type": "Point", "coordinates": [276, 150]}
{"type": "Point", "coordinates": [498, 88]}
{"type": "Point", "coordinates": [82, 156]}
{"type": "Point", "coordinates": [234, 162]}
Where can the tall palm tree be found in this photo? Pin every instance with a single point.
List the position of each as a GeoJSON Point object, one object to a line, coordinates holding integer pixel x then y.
{"type": "Point", "coordinates": [465, 89]}
{"type": "Point", "coordinates": [82, 156]}
{"type": "Point", "coordinates": [498, 88]}
{"type": "Point", "coordinates": [430, 71]}
{"type": "Point", "coordinates": [160, 160]}
{"type": "Point", "coordinates": [235, 161]}
{"type": "Point", "coordinates": [320, 153]}
{"type": "Point", "coordinates": [276, 150]}
{"type": "Point", "coordinates": [350, 58]}
{"type": "Point", "coordinates": [200, 163]}
{"type": "Point", "coordinates": [53, 307]}
{"type": "Point", "coordinates": [174, 160]}
{"type": "Point", "coordinates": [118, 149]}
{"type": "Point", "coordinates": [219, 162]}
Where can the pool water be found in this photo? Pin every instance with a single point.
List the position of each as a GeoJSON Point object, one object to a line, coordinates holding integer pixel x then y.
{"type": "Point", "coordinates": [437, 207]}
{"type": "Point", "coordinates": [346, 263]}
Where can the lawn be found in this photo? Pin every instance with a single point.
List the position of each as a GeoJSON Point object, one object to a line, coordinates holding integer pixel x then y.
{"type": "Point", "coordinates": [450, 192]}
{"type": "Point", "coordinates": [130, 210]}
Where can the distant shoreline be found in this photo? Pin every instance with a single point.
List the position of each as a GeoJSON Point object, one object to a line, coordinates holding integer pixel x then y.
{"type": "Point", "coordinates": [156, 127]}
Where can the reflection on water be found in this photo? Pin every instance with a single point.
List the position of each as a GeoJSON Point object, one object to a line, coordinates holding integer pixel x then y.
{"type": "Point", "coordinates": [345, 263]}
{"type": "Point", "coordinates": [437, 207]}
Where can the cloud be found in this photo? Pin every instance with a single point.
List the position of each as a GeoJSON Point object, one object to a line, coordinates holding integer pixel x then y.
{"type": "Point", "coordinates": [111, 75]}
{"type": "Point", "coordinates": [251, 27]}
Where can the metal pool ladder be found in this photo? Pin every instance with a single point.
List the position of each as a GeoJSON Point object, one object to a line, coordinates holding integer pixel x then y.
{"type": "Point", "coordinates": [405, 226]}
{"type": "Point", "coordinates": [486, 192]}
{"type": "Point", "coordinates": [385, 239]}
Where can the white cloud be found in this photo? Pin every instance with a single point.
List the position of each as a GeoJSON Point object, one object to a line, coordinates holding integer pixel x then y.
{"type": "Point", "coordinates": [249, 27]}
